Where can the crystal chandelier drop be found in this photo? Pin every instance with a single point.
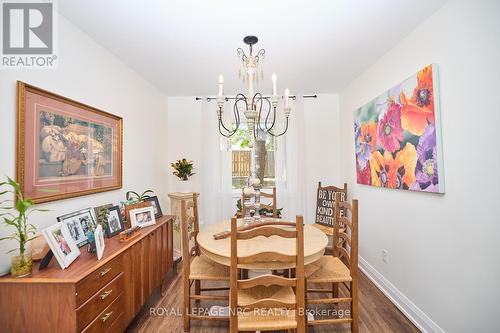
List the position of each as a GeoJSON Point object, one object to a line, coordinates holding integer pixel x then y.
{"type": "Point", "coordinates": [259, 110]}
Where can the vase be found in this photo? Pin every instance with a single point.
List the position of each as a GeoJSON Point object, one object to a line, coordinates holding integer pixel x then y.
{"type": "Point", "coordinates": [184, 186]}
{"type": "Point", "coordinates": [22, 264]}
{"type": "Point", "coordinates": [91, 242]}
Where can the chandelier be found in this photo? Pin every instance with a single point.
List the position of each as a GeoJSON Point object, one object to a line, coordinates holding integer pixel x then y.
{"type": "Point", "coordinates": [259, 110]}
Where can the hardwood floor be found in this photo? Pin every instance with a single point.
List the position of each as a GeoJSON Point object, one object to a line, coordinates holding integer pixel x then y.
{"type": "Point", "coordinates": [164, 314]}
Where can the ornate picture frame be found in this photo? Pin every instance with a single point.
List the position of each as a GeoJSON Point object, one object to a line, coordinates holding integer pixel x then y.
{"type": "Point", "coordinates": [65, 148]}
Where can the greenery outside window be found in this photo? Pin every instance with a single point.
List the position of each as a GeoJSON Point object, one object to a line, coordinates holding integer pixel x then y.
{"type": "Point", "coordinates": [242, 154]}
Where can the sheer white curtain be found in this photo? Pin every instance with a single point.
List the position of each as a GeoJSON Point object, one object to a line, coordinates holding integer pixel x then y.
{"type": "Point", "coordinates": [215, 172]}
{"type": "Point", "coordinates": [290, 180]}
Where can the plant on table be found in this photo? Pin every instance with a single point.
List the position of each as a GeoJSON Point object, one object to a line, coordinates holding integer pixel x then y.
{"type": "Point", "coordinates": [183, 169]}
{"type": "Point", "coordinates": [15, 213]}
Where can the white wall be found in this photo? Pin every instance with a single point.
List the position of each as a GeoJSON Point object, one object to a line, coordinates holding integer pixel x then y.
{"type": "Point", "coordinates": [444, 251]}
{"type": "Point", "coordinates": [184, 132]}
{"type": "Point", "coordinates": [321, 148]}
{"type": "Point", "coordinates": [318, 142]}
{"type": "Point", "coordinates": [90, 74]}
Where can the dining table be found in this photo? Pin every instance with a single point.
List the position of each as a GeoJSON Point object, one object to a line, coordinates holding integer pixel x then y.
{"type": "Point", "coordinates": [219, 250]}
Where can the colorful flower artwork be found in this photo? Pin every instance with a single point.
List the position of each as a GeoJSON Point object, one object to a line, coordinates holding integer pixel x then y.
{"type": "Point", "coordinates": [398, 136]}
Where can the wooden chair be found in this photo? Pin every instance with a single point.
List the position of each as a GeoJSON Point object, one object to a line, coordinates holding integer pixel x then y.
{"type": "Point", "coordinates": [340, 267]}
{"type": "Point", "coordinates": [268, 302]}
{"type": "Point", "coordinates": [197, 267]}
{"type": "Point", "coordinates": [272, 205]}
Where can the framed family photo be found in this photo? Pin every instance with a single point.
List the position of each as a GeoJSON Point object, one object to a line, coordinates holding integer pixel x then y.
{"type": "Point", "coordinates": [156, 205]}
{"type": "Point", "coordinates": [142, 217]}
{"type": "Point", "coordinates": [65, 148]}
{"type": "Point", "coordinates": [62, 244]}
{"type": "Point", "coordinates": [99, 241]}
{"type": "Point", "coordinates": [115, 223]}
{"type": "Point", "coordinates": [78, 224]}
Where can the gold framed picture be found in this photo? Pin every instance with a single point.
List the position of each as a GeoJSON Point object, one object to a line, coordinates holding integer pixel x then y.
{"type": "Point", "coordinates": [65, 148]}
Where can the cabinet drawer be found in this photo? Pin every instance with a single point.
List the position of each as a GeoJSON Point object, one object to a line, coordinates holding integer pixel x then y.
{"type": "Point", "coordinates": [97, 303]}
{"type": "Point", "coordinates": [107, 318]}
{"type": "Point", "coordinates": [97, 280]}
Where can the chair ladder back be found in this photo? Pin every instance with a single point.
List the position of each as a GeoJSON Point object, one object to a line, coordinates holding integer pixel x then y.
{"type": "Point", "coordinates": [233, 279]}
{"type": "Point", "coordinates": [186, 251]}
{"type": "Point", "coordinates": [186, 221]}
{"type": "Point", "coordinates": [354, 237]}
{"type": "Point", "coordinates": [300, 289]}
{"type": "Point", "coordinates": [266, 280]}
{"type": "Point", "coordinates": [272, 206]}
{"type": "Point", "coordinates": [348, 235]}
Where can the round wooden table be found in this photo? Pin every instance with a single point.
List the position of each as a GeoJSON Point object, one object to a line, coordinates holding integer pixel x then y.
{"type": "Point", "coordinates": [315, 242]}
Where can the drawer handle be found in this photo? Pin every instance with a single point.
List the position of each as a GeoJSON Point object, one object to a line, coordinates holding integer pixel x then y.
{"type": "Point", "coordinates": [106, 294]}
{"type": "Point", "coordinates": [106, 271]}
{"type": "Point", "coordinates": [106, 316]}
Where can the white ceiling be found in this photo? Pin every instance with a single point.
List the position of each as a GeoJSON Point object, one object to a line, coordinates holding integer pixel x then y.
{"type": "Point", "coordinates": [313, 46]}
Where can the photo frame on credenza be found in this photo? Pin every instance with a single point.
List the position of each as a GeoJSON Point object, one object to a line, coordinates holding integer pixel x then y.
{"type": "Point", "coordinates": [99, 241]}
{"type": "Point", "coordinates": [114, 224]}
{"type": "Point", "coordinates": [142, 217]}
{"type": "Point", "coordinates": [78, 224]}
{"type": "Point", "coordinates": [61, 244]}
{"type": "Point", "coordinates": [156, 205]}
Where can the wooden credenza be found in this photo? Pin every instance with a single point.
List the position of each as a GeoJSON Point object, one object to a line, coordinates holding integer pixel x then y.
{"type": "Point", "coordinates": [90, 296]}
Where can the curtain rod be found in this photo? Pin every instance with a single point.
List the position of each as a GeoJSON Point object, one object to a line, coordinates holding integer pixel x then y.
{"type": "Point", "coordinates": [208, 99]}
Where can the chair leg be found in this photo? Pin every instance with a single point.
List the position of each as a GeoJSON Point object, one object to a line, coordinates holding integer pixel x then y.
{"type": "Point", "coordinates": [354, 307]}
{"type": "Point", "coordinates": [335, 290]}
{"type": "Point", "coordinates": [197, 289]}
{"type": "Point", "coordinates": [187, 306]}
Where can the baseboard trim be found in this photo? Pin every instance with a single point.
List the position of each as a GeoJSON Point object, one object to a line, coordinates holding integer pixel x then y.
{"type": "Point", "coordinates": [407, 307]}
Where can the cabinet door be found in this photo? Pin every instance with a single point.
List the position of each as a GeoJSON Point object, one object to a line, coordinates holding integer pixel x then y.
{"type": "Point", "coordinates": [154, 259]}
{"type": "Point", "coordinates": [129, 285]}
{"type": "Point", "coordinates": [167, 248]}
{"type": "Point", "coordinates": [146, 267]}
{"type": "Point", "coordinates": [137, 274]}
{"type": "Point", "coordinates": [158, 240]}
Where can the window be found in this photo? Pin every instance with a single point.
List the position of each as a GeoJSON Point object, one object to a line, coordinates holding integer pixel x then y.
{"type": "Point", "coordinates": [242, 155]}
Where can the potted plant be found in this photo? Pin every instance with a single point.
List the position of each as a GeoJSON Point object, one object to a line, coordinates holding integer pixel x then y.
{"type": "Point", "coordinates": [15, 213]}
{"type": "Point", "coordinates": [183, 169]}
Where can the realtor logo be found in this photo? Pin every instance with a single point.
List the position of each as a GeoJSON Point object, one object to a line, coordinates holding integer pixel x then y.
{"type": "Point", "coordinates": [28, 35]}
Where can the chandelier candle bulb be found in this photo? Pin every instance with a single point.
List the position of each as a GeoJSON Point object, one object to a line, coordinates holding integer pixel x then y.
{"type": "Point", "coordinates": [221, 84]}
{"type": "Point", "coordinates": [287, 95]}
{"type": "Point", "coordinates": [274, 78]}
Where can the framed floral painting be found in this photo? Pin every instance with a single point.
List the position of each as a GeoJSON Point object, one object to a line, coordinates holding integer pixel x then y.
{"type": "Point", "coordinates": [65, 148]}
{"type": "Point", "coordinates": [398, 136]}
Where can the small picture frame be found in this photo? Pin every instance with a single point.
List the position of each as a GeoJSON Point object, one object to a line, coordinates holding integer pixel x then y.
{"type": "Point", "coordinates": [142, 217]}
{"type": "Point", "coordinates": [78, 224]}
{"type": "Point", "coordinates": [99, 241]}
{"type": "Point", "coordinates": [115, 222]}
{"type": "Point", "coordinates": [62, 244]}
{"type": "Point", "coordinates": [156, 205]}
{"type": "Point", "coordinates": [98, 209]}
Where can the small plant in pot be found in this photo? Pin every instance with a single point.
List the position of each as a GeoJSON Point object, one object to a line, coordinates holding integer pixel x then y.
{"type": "Point", "coordinates": [183, 169]}
{"type": "Point", "coordinates": [102, 219]}
{"type": "Point", "coordinates": [15, 213]}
